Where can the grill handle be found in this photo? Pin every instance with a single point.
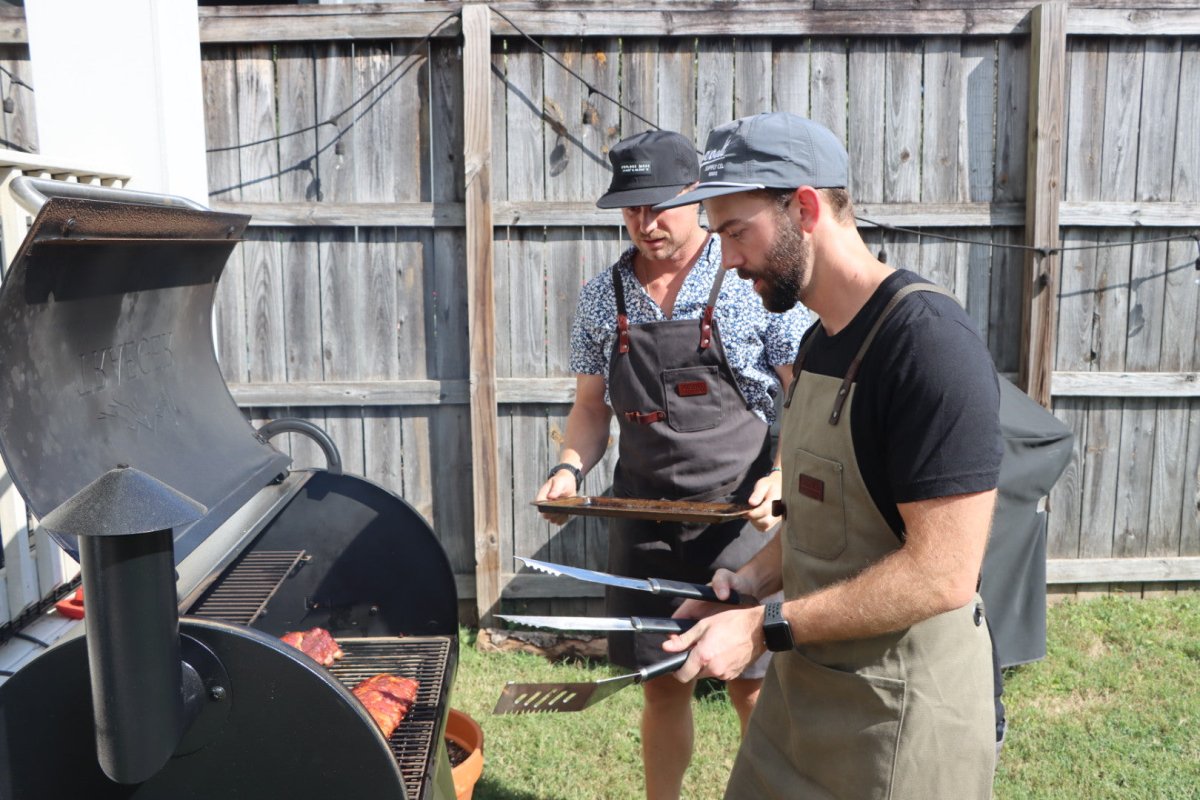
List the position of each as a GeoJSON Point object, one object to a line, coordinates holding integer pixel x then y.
{"type": "Point", "coordinates": [333, 459]}
{"type": "Point", "coordinates": [32, 193]}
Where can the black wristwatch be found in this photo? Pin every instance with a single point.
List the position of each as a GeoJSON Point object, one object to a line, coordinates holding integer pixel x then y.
{"type": "Point", "coordinates": [574, 470]}
{"type": "Point", "coordinates": [776, 629]}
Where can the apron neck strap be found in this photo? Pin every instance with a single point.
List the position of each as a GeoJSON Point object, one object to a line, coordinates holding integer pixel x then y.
{"type": "Point", "coordinates": [852, 373]}
{"type": "Point", "coordinates": [622, 316]}
{"type": "Point", "coordinates": [798, 364]}
{"type": "Point", "coordinates": [706, 319]}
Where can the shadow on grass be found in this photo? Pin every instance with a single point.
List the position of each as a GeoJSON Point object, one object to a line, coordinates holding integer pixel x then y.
{"type": "Point", "coordinates": [487, 789]}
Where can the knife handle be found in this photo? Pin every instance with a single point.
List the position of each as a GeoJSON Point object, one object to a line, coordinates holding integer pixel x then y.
{"type": "Point", "coordinates": [694, 591]}
{"type": "Point", "coordinates": [655, 625]}
{"type": "Point", "coordinates": [665, 667]}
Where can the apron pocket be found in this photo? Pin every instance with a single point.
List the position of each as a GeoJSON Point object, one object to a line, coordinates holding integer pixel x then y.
{"type": "Point", "coordinates": [693, 398]}
{"type": "Point", "coordinates": [850, 733]}
{"type": "Point", "coordinates": [816, 520]}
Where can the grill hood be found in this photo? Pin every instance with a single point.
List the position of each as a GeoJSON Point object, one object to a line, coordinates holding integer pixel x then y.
{"type": "Point", "coordinates": [106, 359]}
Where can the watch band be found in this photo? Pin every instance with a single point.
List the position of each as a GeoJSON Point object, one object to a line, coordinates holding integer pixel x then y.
{"type": "Point", "coordinates": [776, 631]}
{"type": "Point", "coordinates": [574, 470]}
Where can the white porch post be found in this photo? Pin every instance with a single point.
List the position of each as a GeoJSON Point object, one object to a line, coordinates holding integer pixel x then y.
{"type": "Point", "coordinates": [117, 85]}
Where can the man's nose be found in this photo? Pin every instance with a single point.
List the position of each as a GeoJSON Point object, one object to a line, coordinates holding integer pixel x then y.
{"type": "Point", "coordinates": [647, 219]}
{"type": "Point", "coordinates": [730, 257]}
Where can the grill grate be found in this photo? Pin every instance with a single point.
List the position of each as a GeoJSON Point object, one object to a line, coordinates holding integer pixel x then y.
{"type": "Point", "coordinates": [424, 659]}
{"type": "Point", "coordinates": [240, 597]}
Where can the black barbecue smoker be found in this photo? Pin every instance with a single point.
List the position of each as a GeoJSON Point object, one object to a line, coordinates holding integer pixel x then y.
{"type": "Point", "coordinates": [198, 546]}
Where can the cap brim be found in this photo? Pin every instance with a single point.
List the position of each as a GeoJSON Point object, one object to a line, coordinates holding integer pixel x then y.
{"type": "Point", "coordinates": [639, 197]}
{"type": "Point", "coordinates": [706, 190]}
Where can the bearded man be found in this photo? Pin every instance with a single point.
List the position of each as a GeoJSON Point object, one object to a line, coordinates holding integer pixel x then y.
{"type": "Point", "coordinates": [881, 685]}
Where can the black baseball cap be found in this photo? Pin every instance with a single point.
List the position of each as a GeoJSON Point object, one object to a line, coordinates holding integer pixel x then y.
{"type": "Point", "coordinates": [775, 150]}
{"type": "Point", "coordinates": [649, 168]}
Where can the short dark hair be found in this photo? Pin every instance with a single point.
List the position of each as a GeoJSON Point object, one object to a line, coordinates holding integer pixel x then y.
{"type": "Point", "coordinates": [838, 199]}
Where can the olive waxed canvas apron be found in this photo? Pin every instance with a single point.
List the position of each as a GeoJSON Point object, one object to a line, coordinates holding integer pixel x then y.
{"type": "Point", "coordinates": [686, 434]}
{"type": "Point", "coordinates": [903, 716]}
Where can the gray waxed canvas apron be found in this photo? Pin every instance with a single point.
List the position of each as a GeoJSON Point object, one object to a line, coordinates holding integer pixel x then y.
{"type": "Point", "coordinates": [686, 434]}
{"type": "Point", "coordinates": [903, 716]}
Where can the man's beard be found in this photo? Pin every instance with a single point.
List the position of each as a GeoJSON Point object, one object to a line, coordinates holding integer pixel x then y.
{"type": "Point", "coordinates": [785, 267]}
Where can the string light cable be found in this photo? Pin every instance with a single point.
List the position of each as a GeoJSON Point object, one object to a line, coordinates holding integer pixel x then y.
{"type": "Point", "coordinates": [1041, 251]}
{"type": "Point", "coordinates": [334, 119]}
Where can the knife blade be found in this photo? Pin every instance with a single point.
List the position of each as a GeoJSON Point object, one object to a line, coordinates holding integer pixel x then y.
{"type": "Point", "coordinates": [601, 624]}
{"type": "Point", "coordinates": [659, 586]}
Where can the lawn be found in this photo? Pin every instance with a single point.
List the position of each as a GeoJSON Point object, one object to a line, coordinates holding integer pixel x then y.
{"type": "Point", "coordinates": [1112, 712]}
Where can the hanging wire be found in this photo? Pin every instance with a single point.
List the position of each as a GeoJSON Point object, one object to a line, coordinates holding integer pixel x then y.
{"type": "Point", "coordinates": [14, 79]}
{"type": "Point", "coordinates": [333, 120]}
{"type": "Point", "coordinates": [573, 73]}
{"type": "Point", "coordinates": [1041, 251]}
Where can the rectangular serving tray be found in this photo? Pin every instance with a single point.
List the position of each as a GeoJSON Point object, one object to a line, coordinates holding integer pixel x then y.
{"type": "Point", "coordinates": [636, 508]}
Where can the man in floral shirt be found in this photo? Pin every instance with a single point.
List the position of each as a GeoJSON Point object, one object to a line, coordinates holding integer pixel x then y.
{"type": "Point", "coordinates": [690, 363]}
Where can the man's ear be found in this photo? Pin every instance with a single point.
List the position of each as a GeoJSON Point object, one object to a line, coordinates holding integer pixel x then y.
{"type": "Point", "coordinates": [807, 204]}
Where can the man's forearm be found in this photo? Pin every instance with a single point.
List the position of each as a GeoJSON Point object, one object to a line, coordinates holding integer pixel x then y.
{"type": "Point", "coordinates": [586, 437]}
{"type": "Point", "coordinates": [935, 571]}
{"type": "Point", "coordinates": [764, 572]}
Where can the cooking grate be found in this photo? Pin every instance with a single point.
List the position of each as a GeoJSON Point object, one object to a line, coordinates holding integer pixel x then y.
{"type": "Point", "coordinates": [424, 659]}
{"type": "Point", "coordinates": [242, 595]}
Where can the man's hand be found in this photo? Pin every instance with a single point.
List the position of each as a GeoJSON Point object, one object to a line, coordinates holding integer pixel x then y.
{"type": "Point", "coordinates": [722, 645]}
{"type": "Point", "coordinates": [560, 484]}
{"type": "Point", "coordinates": [766, 490]}
{"type": "Point", "coordinates": [722, 582]}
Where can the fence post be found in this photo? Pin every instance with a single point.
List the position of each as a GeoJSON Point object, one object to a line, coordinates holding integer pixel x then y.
{"type": "Point", "coordinates": [1043, 189]}
{"type": "Point", "coordinates": [481, 306]}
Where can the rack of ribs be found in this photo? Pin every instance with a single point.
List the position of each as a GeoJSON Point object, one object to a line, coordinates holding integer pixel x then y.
{"type": "Point", "coordinates": [317, 643]}
{"type": "Point", "coordinates": [387, 698]}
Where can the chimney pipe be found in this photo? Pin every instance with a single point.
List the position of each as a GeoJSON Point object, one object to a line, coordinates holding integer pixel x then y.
{"type": "Point", "coordinates": [124, 521]}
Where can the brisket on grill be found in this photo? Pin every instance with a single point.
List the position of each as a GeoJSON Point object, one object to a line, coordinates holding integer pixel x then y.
{"type": "Point", "coordinates": [388, 699]}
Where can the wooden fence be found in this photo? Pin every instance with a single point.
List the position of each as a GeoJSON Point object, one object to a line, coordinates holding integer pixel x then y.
{"type": "Point", "coordinates": [954, 117]}
{"type": "Point", "coordinates": [424, 219]}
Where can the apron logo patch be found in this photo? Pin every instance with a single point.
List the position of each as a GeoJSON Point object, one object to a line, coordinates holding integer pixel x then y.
{"type": "Point", "coordinates": [812, 487]}
{"type": "Point", "coordinates": [691, 388]}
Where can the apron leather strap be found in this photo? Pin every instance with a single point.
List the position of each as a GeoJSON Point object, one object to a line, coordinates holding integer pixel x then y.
{"type": "Point", "coordinates": [706, 319]}
{"type": "Point", "coordinates": [622, 316]}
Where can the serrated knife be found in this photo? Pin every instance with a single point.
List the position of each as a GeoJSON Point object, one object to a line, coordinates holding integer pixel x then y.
{"type": "Point", "coordinates": [659, 586]}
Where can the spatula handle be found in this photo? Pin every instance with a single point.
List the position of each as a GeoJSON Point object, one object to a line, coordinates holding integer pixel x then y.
{"type": "Point", "coordinates": [697, 591]}
{"type": "Point", "coordinates": [665, 667]}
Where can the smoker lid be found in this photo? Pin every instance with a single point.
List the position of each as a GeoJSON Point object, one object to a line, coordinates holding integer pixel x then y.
{"type": "Point", "coordinates": [106, 359]}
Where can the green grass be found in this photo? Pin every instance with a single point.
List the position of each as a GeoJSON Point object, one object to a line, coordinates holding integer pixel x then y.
{"type": "Point", "coordinates": [1112, 712]}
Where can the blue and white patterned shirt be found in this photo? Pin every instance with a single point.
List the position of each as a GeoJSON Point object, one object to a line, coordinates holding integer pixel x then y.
{"type": "Point", "coordinates": [755, 339]}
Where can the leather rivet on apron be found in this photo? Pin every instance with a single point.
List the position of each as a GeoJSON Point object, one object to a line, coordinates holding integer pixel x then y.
{"type": "Point", "coordinates": [978, 615]}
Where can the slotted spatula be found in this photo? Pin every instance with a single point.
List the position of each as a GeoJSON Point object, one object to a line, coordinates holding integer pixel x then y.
{"type": "Point", "coordinates": [534, 698]}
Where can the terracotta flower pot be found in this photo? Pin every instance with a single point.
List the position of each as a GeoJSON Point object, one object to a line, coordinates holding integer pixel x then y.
{"type": "Point", "coordinates": [466, 733]}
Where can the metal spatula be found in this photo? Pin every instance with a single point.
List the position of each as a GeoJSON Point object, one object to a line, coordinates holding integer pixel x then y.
{"type": "Point", "coordinates": [533, 698]}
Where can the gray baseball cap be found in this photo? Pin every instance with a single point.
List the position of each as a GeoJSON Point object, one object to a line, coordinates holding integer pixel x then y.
{"type": "Point", "coordinates": [774, 150]}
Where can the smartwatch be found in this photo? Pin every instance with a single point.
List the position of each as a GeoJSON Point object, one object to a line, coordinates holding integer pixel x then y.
{"type": "Point", "coordinates": [776, 629]}
{"type": "Point", "coordinates": [574, 470]}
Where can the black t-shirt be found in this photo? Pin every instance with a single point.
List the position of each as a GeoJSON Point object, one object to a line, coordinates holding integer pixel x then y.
{"type": "Point", "coordinates": [925, 415]}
